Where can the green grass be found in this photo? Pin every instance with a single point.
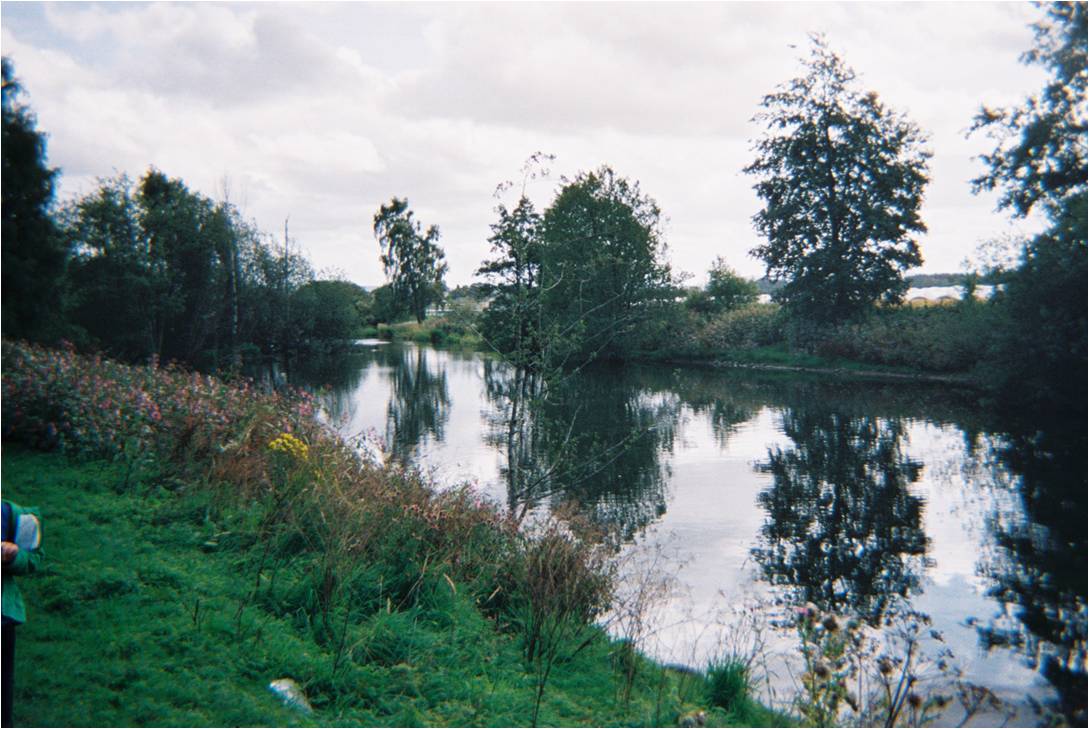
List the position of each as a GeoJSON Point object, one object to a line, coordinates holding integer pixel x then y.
{"type": "Point", "coordinates": [780, 356]}
{"type": "Point", "coordinates": [134, 621]}
{"type": "Point", "coordinates": [439, 331]}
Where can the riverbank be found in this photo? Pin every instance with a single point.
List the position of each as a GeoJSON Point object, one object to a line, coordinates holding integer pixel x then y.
{"type": "Point", "coordinates": [204, 540]}
{"type": "Point", "coordinates": [951, 344]}
{"type": "Point", "coordinates": [779, 359]}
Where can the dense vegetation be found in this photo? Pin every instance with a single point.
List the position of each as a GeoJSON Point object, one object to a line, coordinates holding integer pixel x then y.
{"type": "Point", "coordinates": [208, 540]}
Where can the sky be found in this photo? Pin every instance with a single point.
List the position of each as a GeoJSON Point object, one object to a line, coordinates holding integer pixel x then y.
{"type": "Point", "coordinates": [320, 112]}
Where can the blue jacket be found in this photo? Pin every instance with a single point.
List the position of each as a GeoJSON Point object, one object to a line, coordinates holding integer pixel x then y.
{"type": "Point", "coordinates": [17, 528]}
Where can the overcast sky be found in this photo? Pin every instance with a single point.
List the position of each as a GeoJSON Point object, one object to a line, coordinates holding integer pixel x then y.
{"type": "Point", "coordinates": [322, 112]}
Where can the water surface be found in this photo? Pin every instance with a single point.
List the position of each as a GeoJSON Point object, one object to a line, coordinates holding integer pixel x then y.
{"type": "Point", "coordinates": [760, 492]}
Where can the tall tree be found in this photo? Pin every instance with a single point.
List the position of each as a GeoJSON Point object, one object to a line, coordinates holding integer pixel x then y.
{"type": "Point", "coordinates": [842, 178]}
{"type": "Point", "coordinates": [511, 320]}
{"type": "Point", "coordinates": [160, 269]}
{"type": "Point", "coordinates": [601, 266]}
{"type": "Point", "coordinates": [1040, 153]}
{"type": "Point", "coordinates": [1039, 163]}
{"type": "Point", "coordinates": [33, 254]}
{"type": "Point", "coordinates": [411, 257]}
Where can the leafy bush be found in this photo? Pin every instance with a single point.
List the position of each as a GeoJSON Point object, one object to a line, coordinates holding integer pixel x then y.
{"type": "Point", "coordinates": [954, 338]}
{"type": "Point", "coordinates": [755, 325]}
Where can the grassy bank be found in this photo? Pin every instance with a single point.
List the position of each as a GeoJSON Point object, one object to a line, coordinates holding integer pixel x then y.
{"type": "Point", "coordinates": [439, 331]}
{"type": "Point", "coordinates": [781, 358]}
{"type": "Point", "coordinates": [203, 540]}
{"type": "Point", "coordinates": [953, 343]}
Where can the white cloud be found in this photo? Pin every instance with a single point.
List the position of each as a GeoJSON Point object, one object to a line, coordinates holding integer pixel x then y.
{"type": "Point", "coordinates": [324, 111]}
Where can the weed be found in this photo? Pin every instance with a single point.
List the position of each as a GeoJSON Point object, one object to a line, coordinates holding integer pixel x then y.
{"type": "Point", "coordinates": [727, 683]}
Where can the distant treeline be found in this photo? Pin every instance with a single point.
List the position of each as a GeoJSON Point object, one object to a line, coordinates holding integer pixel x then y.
{"type": "Point", "coordinates": [149, 268]}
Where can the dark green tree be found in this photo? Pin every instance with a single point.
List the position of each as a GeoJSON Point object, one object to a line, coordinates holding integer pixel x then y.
{"type": "Point", "coordinates": [115, 294]}
{"type": "Point", "coordinates": [512, 319]}
{"type": "Point", "coordinates": [1040, 155]}
{"type": "Point", "coordinates": [327, 310]}
{"type": "Point", "coordinates": [601, 267]}
{"type": "Point", "coordinates": [181, 230]}
{"type": "Point", "coordinates": [158, 269]}
{"type": "Point", "coordinates": [727, 289]}
{"type": "Point", "coordinates": [841, 177]}
{"type": "Point", "coordinates": [148, 276]}
{"type": "Point", "coordinates": [385, 307]}
{"type": "Point", "coordinates": [34, 254]}
{"type": "Point", "coordinates": [1039, 163]}
{"type": "Point", "coordinates": [411, 257]}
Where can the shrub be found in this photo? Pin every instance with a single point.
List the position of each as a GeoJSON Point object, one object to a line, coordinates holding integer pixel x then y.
{"type": "Point", "coordinates": [957, 338]}
{"type": "Point", "coordinates": [755, 325]}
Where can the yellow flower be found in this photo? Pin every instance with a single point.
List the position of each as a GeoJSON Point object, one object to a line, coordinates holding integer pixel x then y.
{"type": "Point", "coordinates": [292, 446]}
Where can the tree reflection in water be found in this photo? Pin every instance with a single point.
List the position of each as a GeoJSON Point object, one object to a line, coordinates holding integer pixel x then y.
{"type": "Point", "coordinates": [419, 402]}
{"type": "Point", "coordinates": [1037, 562]}
{"type": "Point", "coordinates": [595, 440]}
{"type": "Point", "coordinates": [842, 529]}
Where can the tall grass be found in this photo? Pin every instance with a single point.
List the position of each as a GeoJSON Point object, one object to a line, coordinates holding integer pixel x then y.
{"type": "Point", "coordinates": [231, 520]}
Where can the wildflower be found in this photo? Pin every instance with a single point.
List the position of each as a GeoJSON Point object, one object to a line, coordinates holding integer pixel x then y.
{"type": "Point", "coordinates": [830, 624]}
{"type": "Point", "coordinates": [915, 700]}
{"type": "Point", "coordinates": [290, 445]}
{"type": "Point", "coordinates": [821, 670]}
{"type": "Point", "coordinates": [884, 667]}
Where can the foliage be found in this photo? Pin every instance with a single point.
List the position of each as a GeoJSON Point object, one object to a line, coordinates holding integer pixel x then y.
{"type": "Point", "coordinates": [329, 310]}
{"type": "Point", "coordinates": [600, 267]}
{"type": "Point", "coordinates": [842, 179]}
{"type": "Point", "coordinates": [944, 339]}
{"type": "Point", "coordinates": [1040, 156]}
{"type": "Point", "coordinates": [512, 320]}
{"type": "Point", "coordinates": [755, 325]}
{"type": "Point", "coordinates": [385, 307]}
{"type": "Point", "coordinates": [411, 257]}
{"type": "Point", "coordinates": [161, 270]}
{"type": "Point", "coordinates": [1039, 162]}
{"type": "Point", "coordinates": [727, 289]}
{"type": "Point", "coordinates": [33, 253]}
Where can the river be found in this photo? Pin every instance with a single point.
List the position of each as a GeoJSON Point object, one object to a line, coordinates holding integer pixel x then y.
{"type": "Point", "coordinates": [743, 495]}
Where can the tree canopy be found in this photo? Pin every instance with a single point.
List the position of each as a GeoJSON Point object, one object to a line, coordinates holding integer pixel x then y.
{"type": "Point", "coordinates": [1040, 152]}
{"type": "Point", "coordinates": [601, 264]}
{"type": "Point", "coordinates": [33, 254]}
{"type": "Point", "coordinates": [1039, 162]}
{"type": "Point", "coordinates": [411, 257]}
{"type": "Point", "coordinates": [511, 320]}
{"type": "Point", "coordinates": [727, 289]}
{"type": "Point", "coordinates": [842, 178]}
